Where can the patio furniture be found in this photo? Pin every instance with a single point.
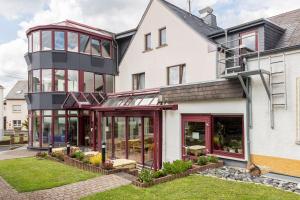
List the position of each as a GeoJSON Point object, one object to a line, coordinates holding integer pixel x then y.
{"type": "Point", "coordinates": [196, 150]}
{"type": "Point", "coordinates": [124, 163]}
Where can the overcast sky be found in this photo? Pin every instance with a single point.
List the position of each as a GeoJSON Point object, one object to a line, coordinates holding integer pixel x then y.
{"type": "Point", "coordinates": [114, 15]}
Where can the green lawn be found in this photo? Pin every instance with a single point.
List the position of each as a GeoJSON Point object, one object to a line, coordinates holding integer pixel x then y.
{"type": "Point", "coordinates": [198, 187]}
{"type": "Point", "coordinates": [30, 174]}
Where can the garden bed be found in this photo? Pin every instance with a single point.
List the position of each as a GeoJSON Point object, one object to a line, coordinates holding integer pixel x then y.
{"type": "Point", "coordinates": [91, 168]}
{"type": "Point", "coordinates": [194, 169]}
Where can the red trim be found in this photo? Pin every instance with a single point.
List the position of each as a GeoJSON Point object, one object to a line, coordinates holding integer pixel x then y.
{"type": "Point", "coordinates": [127, 135]}
{"type": "Point", "coordinates": [41, 129]}
{"type": "Point", "coordinates": [137, 108]}
{"type": "Point", "coordinates": [142, 142]}
{"type": "Point", "coordinates": [113, 135]}
{"type": "Point", "coordinates": [99, 126]}
{"type": "Point", "coordinates": [224, 153]}
{"type": "Point", "coordinates": [196, 118]}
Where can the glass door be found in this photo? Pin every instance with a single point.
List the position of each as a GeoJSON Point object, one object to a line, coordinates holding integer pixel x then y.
{"type": "Point", "coordinates": [195, 135]}
{"type": "Point", "coordinates": [135, 139]}
{"type": "Point", "coordinates": [119, 137]}
{"type": "Point", "coordinates": [148, 141]}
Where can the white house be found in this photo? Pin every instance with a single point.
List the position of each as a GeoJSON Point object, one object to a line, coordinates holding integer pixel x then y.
{"type": "Point", "coordinates": [16, 107]}
{"type": "Point", "coordinates": [216, 78]}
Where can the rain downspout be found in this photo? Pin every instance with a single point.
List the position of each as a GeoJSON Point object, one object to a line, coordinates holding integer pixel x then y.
{"type": "Point", "coordinates": [249, 120]}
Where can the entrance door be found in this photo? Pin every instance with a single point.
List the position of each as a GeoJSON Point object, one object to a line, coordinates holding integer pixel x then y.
{"type": "Point", "coordinates": [87, 139]}
{"type": "Point", "coordinates": [195, 135]}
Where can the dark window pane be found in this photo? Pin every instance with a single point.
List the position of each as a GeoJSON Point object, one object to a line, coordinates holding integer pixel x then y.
{"type": "Point", "coordinates": [106, 48]}
{"type": "Point", "coordinates": [47, 124]}
{"type": "Point", "coordinates": [228, 134]}
{"type": "Point", "coordinates": [109, 83]}
{"type": "Point", "coordinates": [36, 41]}
{"type": "Point", "coordinates": [73, 131]}
{"type": "Point", "coordinates": [99, 83]}
{"type": "Point", "coordinates": [59, 80]}
{"type": "Point", "coordinates": [59, 40]}
{"type": "Point", "coordinates": [30, 81]}
{"type": "Point", "coordinates": [96, 47]}
{"type": "Point", "coordinates": [46, 40]}
{"type": "Point", "coordinates": [30, 43]}
{"type": "Point", "coordinates": [36, 129]}
{"type": "Point", "coordinates": [59, 131]}
{"type": "Point", "coordinates": [85, 44]}
{"type": "Point", "coordinates": [194, 136]}
{"type": "Point", "coordinates": [148, 41]}
{"type": "Point", "coordinates": [36, 80]}
{"type": "Point", "coordinates": [73, 42]}
{"type": "Point", "coordinates": [88, 82]}
{"type": "Point", "coordinates": [47, 80]}
{"type": "Point", "coordinates": [162, 36]}
{"type": "Point", "coordinates": [73, 81]}
{"type": "Point", "coordinates": [249, 41]}
{"type": "Point", "coordinates": [138, 81]}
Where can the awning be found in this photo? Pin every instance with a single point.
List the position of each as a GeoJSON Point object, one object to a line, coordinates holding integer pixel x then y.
{"type": "Point", "coordinates": [139, 101]}
{"type": "Point", "coordinates": [82, 100]}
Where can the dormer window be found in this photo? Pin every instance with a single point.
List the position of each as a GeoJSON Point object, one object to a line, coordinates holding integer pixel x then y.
{"type": "Point", "coordinates": [148, 42]}
{"type": "Point", "coordinates": [249, 40]}
{"type": "Point", "coordinates": [36, 41]}
{"type": "Point", "coordinates": [162, 36]}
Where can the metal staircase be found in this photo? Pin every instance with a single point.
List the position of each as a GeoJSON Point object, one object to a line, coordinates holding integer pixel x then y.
{"type": "Point", "coordinates": [278, 81]}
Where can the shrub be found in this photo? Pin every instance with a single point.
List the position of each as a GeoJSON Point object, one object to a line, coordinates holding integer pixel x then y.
{"type": "Point", "coordinates": [86, 160]}
{"type": "Point", "coordinates": [58, 154]}
{"type": "Point", "coordinates": [79, 155]}
{"type": "Point", "coordinates": [145, 176]}
{"type": "Point", "coordinates": [158, 174]}
{"type": "Point", "coordinates": [212, 159]}
{"type": "Point", "coordinates": [202, 160]}
{"type": "Point", "coordinates": [108, 165]}
{"type": "Point", "coordinates": [73, 150]}
{"type": "Point", "coordinates": [177, 167]}
{"type": "Point", "coordinates": [96, 159]}
{"type": "Point", "coordinates": [41, 155]}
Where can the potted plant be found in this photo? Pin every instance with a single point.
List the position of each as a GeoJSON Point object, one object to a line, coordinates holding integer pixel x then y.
{"type": "Point", "coordinates": [234, 144]}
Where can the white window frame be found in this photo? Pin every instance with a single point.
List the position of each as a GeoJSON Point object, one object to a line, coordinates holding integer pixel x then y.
{"type": "Point", "coordinates": [16, 110]}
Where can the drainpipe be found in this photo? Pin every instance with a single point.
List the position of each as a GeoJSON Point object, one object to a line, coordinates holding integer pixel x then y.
{"type": "Point", "coordinates": [117, 49]}
{"type": "Point", "coordinates": [248, 121]}
{"type": "Point", "coordinates": [165, 134]}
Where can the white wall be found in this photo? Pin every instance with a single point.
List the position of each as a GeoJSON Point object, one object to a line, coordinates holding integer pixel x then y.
{"type": "Point", "coordinates": [185, 46]}
{"type": "Point", "coordinates": [279, 142]}
{"type": "Point", "coordinates": [172, 121]}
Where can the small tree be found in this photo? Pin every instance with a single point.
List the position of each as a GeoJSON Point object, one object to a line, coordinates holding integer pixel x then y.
{"type": "Point", "coordinates": [25, 124]}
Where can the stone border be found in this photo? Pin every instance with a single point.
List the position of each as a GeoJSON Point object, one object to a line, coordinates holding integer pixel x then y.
{"type": "Point", "coordinates": [91, 168]}
{"type": "Point", "coordinates": [195, 169]}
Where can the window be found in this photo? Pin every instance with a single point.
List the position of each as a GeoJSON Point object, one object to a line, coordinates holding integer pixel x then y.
{"type": "Point", "coordinates": [109, 83]}
{"type": "Point", "coordinates": [36, 80]}
{"type": "Point", "coordinates": [72, 41]}
{"type": "Point", "coordinates": [228, 134]}
{"type": "Point", "coordinates": [30, 81]}
{"type": "Point", "coordinates": [47, 80]}
{"type": "Point", "coordinates": [59, 131]}
{"type": "Point", "coordinates": [16, 108]}
{"type": "Point", "coordinates": [176, 75]}
{"type": "Point", "coordinates": [88, 82]}
{"type": "Point", "coordinates": [46, 128]}
{"type": "Point", "coordinates": [36, 130]}
{"type": "Point", "coordinates": [72, 81]}
{"type": "Point", "coordinates": [99, 83]}
{"type": "Point", "coordinates": [36, 41]}
{"type": "Point", "coordinates": [162, 36]}
{"type": "Point", "coordinates": [59, 43]}
{"type": "Point", "coordinates": [138, 81]}
{"type": "Point", "coordinates": [106, 51]}
{"type": "Point", "coordinates": [85, 44]}
{"type": "Point", "coordinates": [59, 78]}
{"type": "Point", "coordinates": [17, 123]}
{"type": "Point", "coordinates": [249, 40]}
{"type": "Point", "coordinates": [46, 40]}
{"type": "Point", "coordinates": [148, 41]}
{"type": "Point", "coordinates": [30, 43]}
{"type": "Point", "coordinates": [96, 47]}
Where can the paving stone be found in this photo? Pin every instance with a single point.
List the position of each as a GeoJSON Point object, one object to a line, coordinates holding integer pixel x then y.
{"type": "Point", "coordinates": [72, 191]}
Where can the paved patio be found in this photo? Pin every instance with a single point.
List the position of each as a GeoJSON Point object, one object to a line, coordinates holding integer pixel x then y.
{"type": "Point", "coordinates": [66, 192]}
{"type": "Point", "coordinates": [21, 152]}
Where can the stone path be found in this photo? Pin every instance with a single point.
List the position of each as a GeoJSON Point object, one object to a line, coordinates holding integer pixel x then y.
{"type": "Point", "coordinates": [17, 153]}
{"type": "Point", "coordinates": [66, 192]}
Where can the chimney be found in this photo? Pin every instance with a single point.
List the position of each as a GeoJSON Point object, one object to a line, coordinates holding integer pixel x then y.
{"type": "Point", "coordinates": [208, 17]}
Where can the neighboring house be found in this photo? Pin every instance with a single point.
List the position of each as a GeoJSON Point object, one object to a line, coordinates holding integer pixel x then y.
{"type": "Point", "coordinates": [1, 111]}
{"type": "Point", "coordinates": [16, 112]}
{"type": "Point", "coordinates": [182, 85]}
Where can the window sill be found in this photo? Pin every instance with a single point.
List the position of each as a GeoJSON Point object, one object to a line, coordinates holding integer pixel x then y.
{"type": "Point", "coordinates": [162, 46]}
{"type": "Point", "coordinates": [148, 50]}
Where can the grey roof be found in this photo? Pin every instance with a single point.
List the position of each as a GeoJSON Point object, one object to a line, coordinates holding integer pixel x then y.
{"type": "Point", "coordinates": [193, 21]}
{"type": "Point", "coordinates": [18, 91]}
{"type": "Point", "coordinates": [290, 21]}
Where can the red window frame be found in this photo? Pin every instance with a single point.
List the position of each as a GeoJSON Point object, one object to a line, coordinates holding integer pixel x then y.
{"type": "Point", "coordinates": [224, 153]}
{"type": "Point", "coordinates": [247, 33]}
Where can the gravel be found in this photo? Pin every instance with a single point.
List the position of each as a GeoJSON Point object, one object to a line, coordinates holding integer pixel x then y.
{"type": "Point", "coordinates": [239, 174]}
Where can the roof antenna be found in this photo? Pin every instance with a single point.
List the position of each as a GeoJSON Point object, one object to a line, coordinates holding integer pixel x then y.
{"type": "Point", "coordinates": [189, 4]}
